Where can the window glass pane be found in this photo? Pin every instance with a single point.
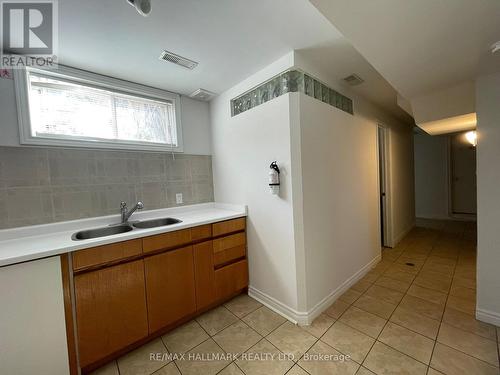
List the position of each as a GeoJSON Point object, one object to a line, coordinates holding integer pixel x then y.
{"type": "Point", "coordinates": [67, 110]}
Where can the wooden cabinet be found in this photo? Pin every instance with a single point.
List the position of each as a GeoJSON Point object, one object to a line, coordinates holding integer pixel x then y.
{"type": "Point", "coordinates": [110, 310]}
{"type": "Point", "coordinates": [129, 292]}
{"type": "Point", "coordinates": [170, 287]}
{"type": "Point", "coordinates": [204, 274]}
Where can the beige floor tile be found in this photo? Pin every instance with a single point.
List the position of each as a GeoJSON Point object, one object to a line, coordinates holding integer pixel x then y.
{"type": "Point", "coordinates": [297, 370]}
{"type": "Point", "coordinates": [434, 372]}
{"type": "Point", "coordinates": [361, 286]}
{"type": "Point", "coordinates": [463, 292]}
{"type": "Point", "coordinates": [434, 284]}
{"type": "Point", "coordinates": [170, 369]}
{"type": "Point", "coordinates": [291, 339]}
{"type": "Point", "coordinates": [468, 323]}
{"type": "Point", "coordinates": [263, 359]}
{"type": "Point", "coordinates": [185, 338]}
{"type": "Point", "coordinates": [138, 362]}
{"type": "Point", "coordinates": [237, 338]}
{"type": "Point", "coordinates": [387, 282]}
{"type": "Point", "coordinates": [453, 362]}
{"type": "Point", "coordinates": [474, 345]}
{"type": "Point", "coordinates": [232, 369]}
{"type": "Point", "coordinates": [385, 294]}
{"type": "Point", "coordinates": [337, 309]}
{"type": "Point", "coordinates": [364, 371]}
{"type": "Point", "coordinates": [216, 320]}
{"type": "Point", "coordinates": [371, 276]}
{"type": "Point", "coordinates": [421, 306]}
{"type": "Point", "coordinates": [416, 322]}
{"type": "Point", "coordinates": [336, 364]}
{"type": "Point", "coordinates": [320, 325]}
{"type": "Point", "coordinates": [242, 305]}
{"type": "Point", "coordinates": [387, 361]}
{"type": "Point", "coordinates": [460, 304]}
{"type": "Point", "coordinates": [348, 341]}
{"type": "Point", "coordinates": [407, 342]}
{"type": "Point", "coordinates": [399, 275]}
{"type": "Point", "coordinates": [264, 320]}
{"type": "Point", "coordinates": [363, 321]}
{"type": "Point", "coordinates": [382, 266]}
{"type": "Point", "coordinates": [466, 283]}
{"type": "Point", "coordinates": [349, 296]}
{"type": "Point", "coordinates": [404, 268]}
{"type": "Point", "coordinates": [109, 369]}
{"type": "Point", "coordinates": [439, 268]}
{"type": "Point", "coordinates": [205, 359]}
{"type": "Point", "coordinates": [432, 275]}
{"type": "Point", "coordinates": [375, 306]}
{"type": "Point", "coordinates": [439, 260]}
{"type": "Point", "coordinates": [428, 294]}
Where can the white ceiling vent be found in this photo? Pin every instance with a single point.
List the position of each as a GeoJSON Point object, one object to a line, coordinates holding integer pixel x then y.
{"type": "Point", "coordinates": [202, 94]}
{"type": "Point", "coordinates": [179, 60]}
{"type": "Point", "coordinates": [354, 80]}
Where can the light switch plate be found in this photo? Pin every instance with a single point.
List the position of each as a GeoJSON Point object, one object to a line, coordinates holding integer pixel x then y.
{"type": "Point", "coordinates": [178, 198]}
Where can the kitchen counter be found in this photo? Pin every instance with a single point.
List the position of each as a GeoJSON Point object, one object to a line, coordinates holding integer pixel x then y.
{"type": "Point", "coordinates": [41, 241]}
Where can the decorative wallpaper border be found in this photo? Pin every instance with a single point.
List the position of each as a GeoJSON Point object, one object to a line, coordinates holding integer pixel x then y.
{"type": "Point", "coordinates": [290, 81]}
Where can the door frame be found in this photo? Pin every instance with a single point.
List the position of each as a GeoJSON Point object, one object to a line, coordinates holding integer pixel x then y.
{"type": "Point", "coordinates": [384, 172]}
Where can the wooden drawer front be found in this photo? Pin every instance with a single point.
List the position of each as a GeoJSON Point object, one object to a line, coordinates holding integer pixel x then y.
{"type": "Point", "coordinates": [105, 254]}
{"type": "Point", "coordinates": [167, 240]}
{"type": "Point", "coordinates": [230, 279]}
{"type": "Point", "coordinates": [201, 233]}
{"type": "Point", "coordinates": [229, 255]}
{"type": "Point", "coordinates": [110, 310]}
{"type": "Point", "coordinates": [204, 274]}
{"type": "Point", "coordinates": [229, 226]}
{"type": "Point", "coordinates": [170, 287]}
{"type": "Point", "coordinates": [225, 243]}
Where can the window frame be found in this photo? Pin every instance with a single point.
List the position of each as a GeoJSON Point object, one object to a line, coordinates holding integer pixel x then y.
{"type": "Point", "coordinates": [21, 82]}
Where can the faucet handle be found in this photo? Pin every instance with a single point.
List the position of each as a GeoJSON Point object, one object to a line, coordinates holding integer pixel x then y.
{"type": "Point", "coordinates": [140, 205]}
{"type": "Point", "coordinates": [123, 205]}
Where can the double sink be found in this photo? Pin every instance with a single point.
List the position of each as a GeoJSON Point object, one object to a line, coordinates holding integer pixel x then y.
{"type": "Point", "coordinates": [123, 228]}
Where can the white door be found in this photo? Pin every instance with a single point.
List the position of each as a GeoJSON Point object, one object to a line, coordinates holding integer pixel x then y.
{"type": "Point", "coordinates": [463, 176]}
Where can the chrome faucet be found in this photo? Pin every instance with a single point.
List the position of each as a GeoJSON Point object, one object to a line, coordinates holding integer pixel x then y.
{"type": "Point", "coordinates": [126, 213]}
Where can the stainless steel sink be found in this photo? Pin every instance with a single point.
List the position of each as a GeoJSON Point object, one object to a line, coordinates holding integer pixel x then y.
{"type": "Point", "coordinates": [156, 223]}
{"type": "Point", "coordinates": [101, 232]}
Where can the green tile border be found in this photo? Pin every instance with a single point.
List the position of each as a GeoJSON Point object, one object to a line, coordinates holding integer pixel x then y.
{"type": "Point", "coordinates": [290, 81]}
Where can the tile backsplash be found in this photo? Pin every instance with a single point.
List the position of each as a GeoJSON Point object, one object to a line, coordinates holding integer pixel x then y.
{"type": "Point", "coordinates": [42, 185]}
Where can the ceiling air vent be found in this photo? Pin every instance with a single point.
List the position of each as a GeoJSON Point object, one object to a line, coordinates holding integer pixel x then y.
{"type": "Point", "coordinates": [179, 60]}
{"type": "Point", "coordinates": [202, 94]}
{"type": "Point", "coordinates": [354, 80]}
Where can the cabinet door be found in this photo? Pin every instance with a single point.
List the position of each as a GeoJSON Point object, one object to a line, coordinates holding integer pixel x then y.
{"type": "Point", "coordinates": [204, 274]}
{"type": "Point", "coordinates": [231, 279]}
{"type": "Point", "coordinates": [110, 310]}
{"type": "Point", "coordinates": [170, 287]}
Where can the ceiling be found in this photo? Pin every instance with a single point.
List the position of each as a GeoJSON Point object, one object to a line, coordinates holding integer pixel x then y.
{"type": "Point", "coordinates": [231, 40]}
{"type": "Point", "coordinates": [421, 46]}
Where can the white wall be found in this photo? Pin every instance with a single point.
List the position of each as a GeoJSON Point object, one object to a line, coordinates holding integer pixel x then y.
{"type": "Point", "coordinates": [32, 322]}
{"type": "Point", "coordinates": [340, 197]}
{"type": "Point", "coordinates": [488, 182]}
{"type": "Point", "coordinates": [195, 119]}
{"type": "Point", "coordinates": [431, 176]}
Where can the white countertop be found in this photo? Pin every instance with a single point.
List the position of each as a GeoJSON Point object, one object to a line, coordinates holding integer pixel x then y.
{"type": "Point", "coordinates": [40, 241]}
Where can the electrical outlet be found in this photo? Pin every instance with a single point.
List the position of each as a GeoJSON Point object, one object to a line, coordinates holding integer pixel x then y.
{"type": "Point", "coordinates": [178, 198]}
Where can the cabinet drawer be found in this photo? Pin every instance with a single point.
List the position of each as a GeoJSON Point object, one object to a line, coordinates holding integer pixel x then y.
{"type": "Point", "coordinates": [231, 279]}
{"type": "Point", "coordinates": [107, 253]}
{"type": "Point", "coordinates": [166, 240]}
{"type": "Point", "coordinates": [225, 243]}
{"type": "Point", "coordinates": [228, 226]}
{"type": "Point", "coordinates": [229, 255]}
{"type": "Point", "coordinates": [202, 232]}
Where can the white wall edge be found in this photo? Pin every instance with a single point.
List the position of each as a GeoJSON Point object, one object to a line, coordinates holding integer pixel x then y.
{"type": "Point", "coordinates": [403, 234]}
{"type": "Point", "coordinates": [488, 316]}
{"type": "Point", "coordinates": [306, 318]}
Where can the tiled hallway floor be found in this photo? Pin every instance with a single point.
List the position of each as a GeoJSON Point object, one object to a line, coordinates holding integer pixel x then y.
{"type": "Point", "coordinates": [398, 319]}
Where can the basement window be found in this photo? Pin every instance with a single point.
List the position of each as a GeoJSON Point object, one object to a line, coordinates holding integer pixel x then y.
{"type": "Point", "coordinates": [69, 107]}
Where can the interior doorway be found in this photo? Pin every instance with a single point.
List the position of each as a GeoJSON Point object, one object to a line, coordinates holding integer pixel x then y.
{"type": "Point", "coordinates": [384, 187]}
{"type": "Point", "coordinates": [463, 195]}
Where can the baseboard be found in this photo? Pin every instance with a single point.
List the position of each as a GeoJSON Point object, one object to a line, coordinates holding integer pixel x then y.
{"type": "Point", "coordinates": [403, 234]}
{"type": "Point", "coordinates": [307, 317]}
{"type": "Point", "coordinates": [488, 316]}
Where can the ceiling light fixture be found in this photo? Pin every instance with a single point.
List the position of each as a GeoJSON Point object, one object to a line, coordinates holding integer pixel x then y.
{"type": "Point", "coordinates": [471, 137]}
{"type": "Point", "coordinates": [143, 7]}
{"type": "Point", "coordinates": [495, 47]}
